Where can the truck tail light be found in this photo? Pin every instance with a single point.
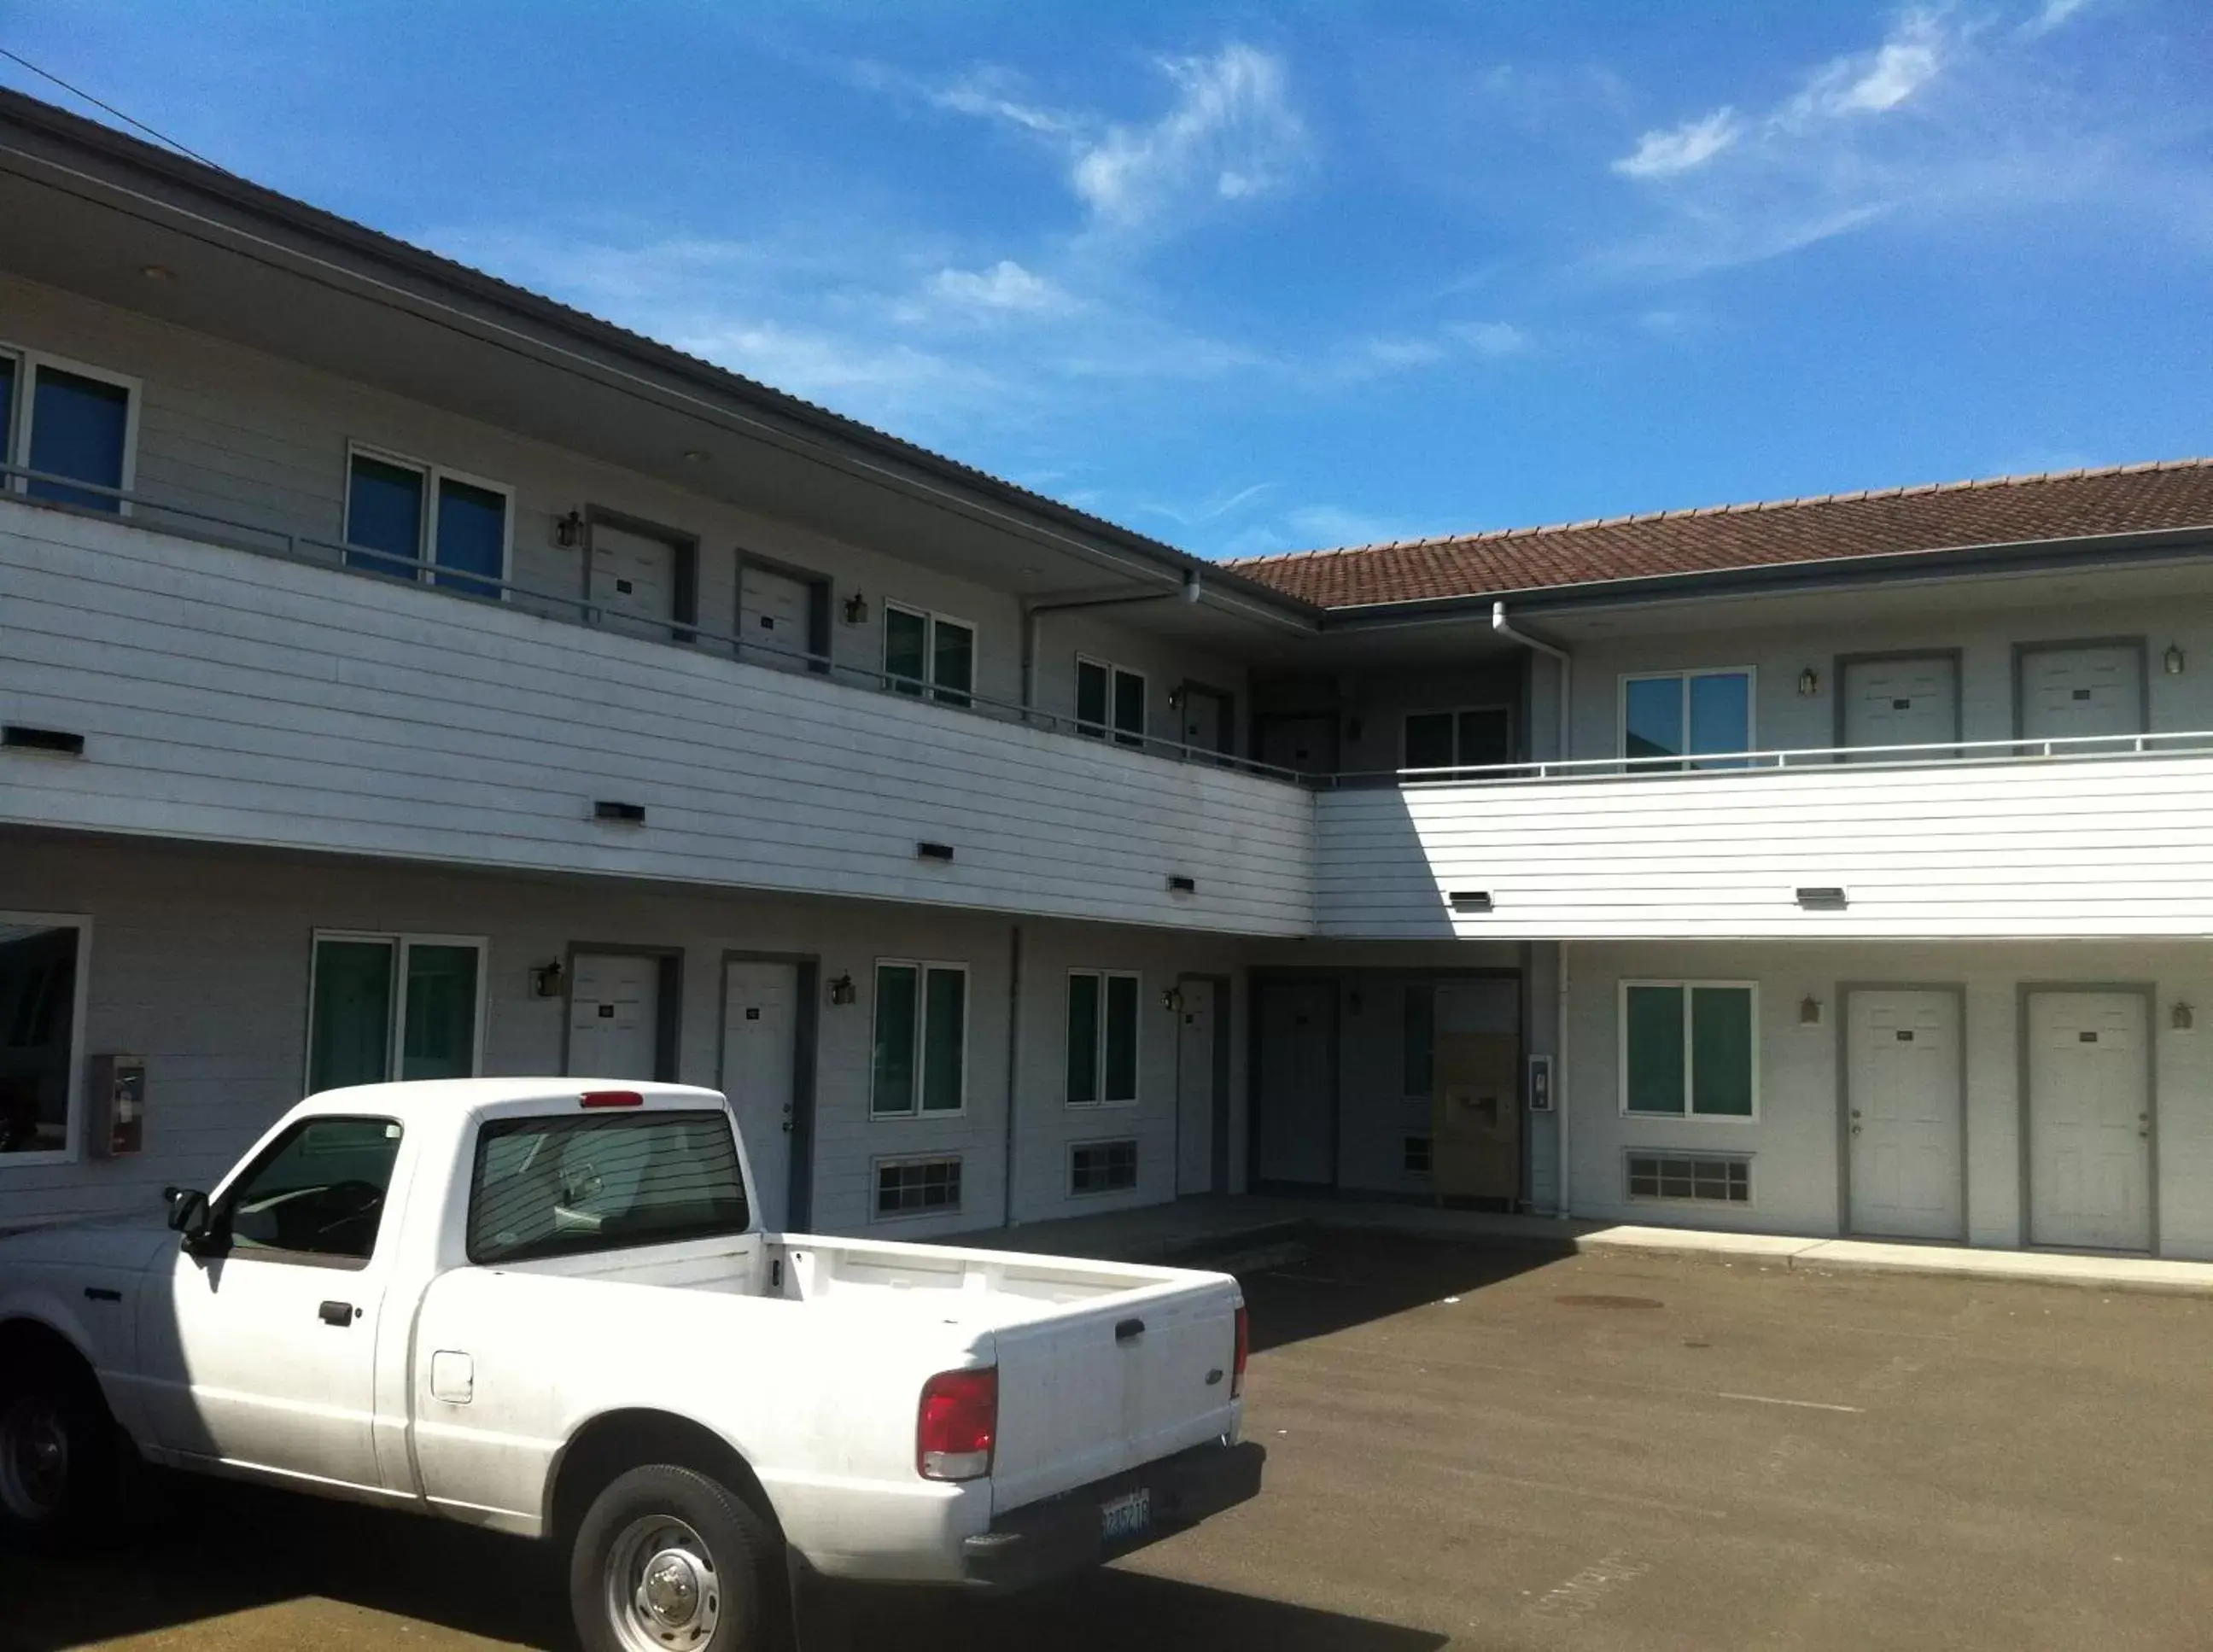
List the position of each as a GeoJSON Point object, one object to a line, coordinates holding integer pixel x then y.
{"type": "Point", "coordinates": [953, 1433]}
{"type": "Point", "coordinates": [613, 1099]}
{"type": "Point", "coordinates": [1244, 1347]}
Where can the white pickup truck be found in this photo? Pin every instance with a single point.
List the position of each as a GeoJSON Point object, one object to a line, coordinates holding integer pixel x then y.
{"type": "Point", "coordinates": [541, 1306]}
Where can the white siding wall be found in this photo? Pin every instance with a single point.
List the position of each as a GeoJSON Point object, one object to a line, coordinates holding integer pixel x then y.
{"type": "Point", "coordinates": [199, 963]}
{"type": "Point", "coordinates": [1794, 1141]}
{"type": "Point", "coordinates": [235, 696]}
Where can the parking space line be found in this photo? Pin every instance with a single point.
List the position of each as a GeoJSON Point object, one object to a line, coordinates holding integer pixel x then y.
{"type": "Point", "coordinates": [1803, 1405]}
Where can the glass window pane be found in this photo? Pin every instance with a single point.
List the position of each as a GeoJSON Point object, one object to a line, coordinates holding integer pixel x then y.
{"type": "Point", "coordinates": [1082, 1039]}
{"type": "Point", "coordinates": [78, 426]}
{"type": "Point", "coordinates": [440, 1041]}
{"type": "Point", "coordinates": [551, 1186]}
{"type": "Point", "coordinates": [1655, 1048]}
{"type": "Point", "coordinates": [1129, 708]}
{"type": "Point", "coordinates": [1429, 740]}
{"type": "Point", "coordinates": [1417, 1033]}
{"type": "Point", "coordinates": [1652, 718]}
{"type": "Point", "coordinates": [893, 1087]}
{"type": "Point", "coordinates": [7, 415]}
{"type": "Point", "coordinates": [1721, 1050]}
{"type": "Point", "coordinates": [945, 1040]}
{"type": "Point", "coordinates": [952, 661]}
{"type": "Point", "coordinates": [384, 513]}
{"type": "Point", "coordinates": [1721, 714]}
{"type": "Point", "coordinates": [906, 648]}
{"type": "Point", "coordinates": [1091, 696]}
{"type": "Point", "coordinates": [317, 1192]}
{"type": "Point", "coordinates": [37, 1029]}
{"type": "Point", "coordinates": [472, 537]}
{"type": "Point", "coordinates": [1121, 1038]}
{"type": "Point", "coordinates": [1486, 735]}
{"type": "Point", "coordinates": [349, 1026]}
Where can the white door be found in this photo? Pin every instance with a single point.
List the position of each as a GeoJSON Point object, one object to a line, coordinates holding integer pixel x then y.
{"type": "Point", "coordinates": [772, 616]}
{"type": "Point", "coordinates": [2081, 691]}
{"type": "Point", "coordinates": [1296, 1095]}
{"type": "Point", "coordinates": [1903, 1113]}
{"type": "Point", "coordinates": [1203, 717]}
{"type": "Point", "coordinates": [633, 580]}
{"type": "Point", "coordinates": [2089, 1121]}
{"type": "Point", "coordinates": [1195, 1088]}
{"type": "Point", "coordinates": [760, 1031]}
{"type": "Point", "coordinates": [614, 1015]}
{"type": "Point", "coordinates": [1901, 702]}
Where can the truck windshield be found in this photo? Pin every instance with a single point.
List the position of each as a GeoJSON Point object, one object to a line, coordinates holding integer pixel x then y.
{"type": "Point", "coordinates": [557, 1187]}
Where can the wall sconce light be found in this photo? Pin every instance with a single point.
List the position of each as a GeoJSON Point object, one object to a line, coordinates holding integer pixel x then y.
{"type": "Point", "coordinates": [1172, 1000]}
{"type": "Point", "coordinates": [1809, 1011]}
{"type": "Point", "coordinates": [1809, 683]}
{"type": "Point", "coordinates": [568, 530]}
{"type": "Point", "coordinates": [842, 991]}
{"type": "Point", "coordinates": [2172, 659]}
{"type": "Point", "coordinates": [545, 980]}
{"type": "Point", "coordinates": [2182, 1018]}
{"type": "Point", "coordinates": [1175, 699]}
{"type": "Point", "coordinates": [856, 609]}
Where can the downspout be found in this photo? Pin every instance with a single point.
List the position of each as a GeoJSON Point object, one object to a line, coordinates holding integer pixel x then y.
{"type": "Point", "coordinates": [1014, 1070]}
{"type": "Point", "coordinates": [1500, 624]}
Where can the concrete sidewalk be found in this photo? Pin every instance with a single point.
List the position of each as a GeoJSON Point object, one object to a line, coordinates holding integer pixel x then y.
{"type": "Point", "coordinates": [1220, 1229]}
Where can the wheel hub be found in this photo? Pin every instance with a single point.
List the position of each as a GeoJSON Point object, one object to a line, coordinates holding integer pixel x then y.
{"type": "Point", "coordinates": [34, 1458]}
{"type": "Point", "coordinates": [662, 1594]}
{"type": "Point", "coordinates": [671, 1591]}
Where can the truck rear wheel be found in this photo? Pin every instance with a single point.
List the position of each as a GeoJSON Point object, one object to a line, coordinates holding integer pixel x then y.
{"type": "Point", "coordinates": [668, 1560]}
{"type": "Point", "coordinates": [57, 1452]}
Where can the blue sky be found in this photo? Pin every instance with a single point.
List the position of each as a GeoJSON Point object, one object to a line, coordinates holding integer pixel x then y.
{"type": "Point", "coordinates": [1255, 278]}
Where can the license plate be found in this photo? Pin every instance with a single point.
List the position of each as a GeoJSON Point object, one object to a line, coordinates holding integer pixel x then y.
{"type": "Point", "coordinates": [1129, 1514]}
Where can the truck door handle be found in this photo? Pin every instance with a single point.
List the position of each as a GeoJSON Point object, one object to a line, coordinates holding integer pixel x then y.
{"type": "Point", "coordinates": [337, 1313]}
{"type": "Point", "coordinates": [1127, 1330]}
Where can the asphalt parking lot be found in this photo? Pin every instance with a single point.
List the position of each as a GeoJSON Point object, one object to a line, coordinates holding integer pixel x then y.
{"type": "Point", "coordinates": [1470, 1448]}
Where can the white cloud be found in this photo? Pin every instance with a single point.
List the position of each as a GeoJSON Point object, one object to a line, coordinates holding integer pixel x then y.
{"type": "Point", "coordinates": [2056, 14]}
{"type": "Point", "coordinates": [1493, 339]}
{"type": "Point", "coordinates": [1872, 82]}
{"type": "Point", "coordinates": [991, 93]}
{"type": "Point", "coordinates": [1005, 290]}
{"type": "Point", "coordinates": [1663, 152]}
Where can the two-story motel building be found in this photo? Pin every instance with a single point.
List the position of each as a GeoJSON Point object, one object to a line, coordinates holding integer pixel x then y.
{"type": "Point", "coordinates": [404, 675]}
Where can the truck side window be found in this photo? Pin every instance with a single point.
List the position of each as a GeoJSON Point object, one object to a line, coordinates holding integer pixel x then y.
{"type": "Point", "coordinates": [556, 1187]}
{"type": "Point", "coordinates": [317, 1191]}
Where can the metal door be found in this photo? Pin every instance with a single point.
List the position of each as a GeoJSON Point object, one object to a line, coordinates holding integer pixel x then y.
{"type": "Point", "coordinates": [1903, 1113]}
{"type": "Point", "coordinates": [2081, 690]}
{"type": "Point", "coordinates": [1901, 702]}
{"type": "Point", "coordinates": [614, 1015]}
{"type": "Point", "coordinates": [1295, 1091]}
{"type": "Point", "coordinates": [760, 1030]}
{"type": "Point", "coordinates": [633, 580]}
{"type": "Point", "coordinates": [2089, 1121]}
{"type": "Point", "coordinates": [773, 614]}
{"type": "Point", "coordinates": [1196, 1088]}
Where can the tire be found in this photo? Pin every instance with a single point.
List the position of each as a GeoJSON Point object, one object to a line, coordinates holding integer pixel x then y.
{"type": "Point", "coordinates": [668, 1560]}
{"type": "Point", "coordinates": [57, 1459]}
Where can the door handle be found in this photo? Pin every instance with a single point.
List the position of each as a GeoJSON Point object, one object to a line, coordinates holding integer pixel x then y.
{"type": "Point", "coordinates": [1129, 1329]}
{"type": "Point", "coordinates": [337, 1313]}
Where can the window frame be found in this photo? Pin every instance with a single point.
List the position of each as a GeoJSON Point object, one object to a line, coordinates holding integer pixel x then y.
{"type": "Point", "coordinates": [1099, 1046]}
{"type": "Point", "coordinates": [427, 569]}
{"type": "Point", "coordinates": [1110, 731]}
{"type": "Point", "coordinates": [23, 406]}
{"type": "Point", "coordinates": [882, 1162]}
{"type": "Point", "coordinates": [1096, 1145]}
{"type": "Point", "coordinates": [1688, 987]}
{"type": "Point", "coordinates": [927, 686]}
{"type": "Point", "coordinates": [922, 966]}
{"type": "Point", "coordinates": [395, 1035]}
{"type": "Point", "coordinates": [1688, 760]}
{"type": "Point", "coordinates": [1456, 712]}
{"type": "Point", "coordinates": [73, 1144]}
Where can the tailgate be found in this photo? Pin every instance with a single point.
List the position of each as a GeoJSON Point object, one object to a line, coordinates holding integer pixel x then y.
{"type": "Point", "coordinates": [1106, 1385]}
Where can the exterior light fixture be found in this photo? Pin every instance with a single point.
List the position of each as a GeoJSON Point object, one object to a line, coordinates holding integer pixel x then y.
{"type": "Point", "coordinates": [856, 609]}
{"type": "Point", "coordinates": [2172, 659]}
{"type": "Point", "coordinates": [568, 530]}
{"type": "Point", "coordinates": [2182, 1018]}
{"type": "Point", "coordinates": [545, 980]}
{"type": "Point", "coordinates": [842, 991]}
{"type": "Point", "coordinates": [1809, 683]}
{"type": "Point", "coordinates": [1809, 1011]}
{"type": "Point", "coordinates": [1172, 1000]}
{"type": "Point", "coordinates": [157, 272]}
{"type": "Point", "coordinates": [695, 456]}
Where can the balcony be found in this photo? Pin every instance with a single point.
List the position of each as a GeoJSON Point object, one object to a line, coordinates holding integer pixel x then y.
{"type": "Point", "coordinates": [2099, 836]}
{"type": "Point", "coordinates": [245, 685]}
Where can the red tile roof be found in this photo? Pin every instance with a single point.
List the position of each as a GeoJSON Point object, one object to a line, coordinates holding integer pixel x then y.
{"type": "Point", "coordinates": [1950, 515]}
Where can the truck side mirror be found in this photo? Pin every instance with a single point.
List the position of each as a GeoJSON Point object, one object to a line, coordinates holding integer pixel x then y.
{"type": "Point", "coordinates": [188, 1211]}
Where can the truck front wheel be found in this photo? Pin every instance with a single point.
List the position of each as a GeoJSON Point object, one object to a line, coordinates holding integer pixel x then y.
{"type": "Point", "coordinates": [57, 1450]}
{"type": "Point", "coordinates": [668, 1560]}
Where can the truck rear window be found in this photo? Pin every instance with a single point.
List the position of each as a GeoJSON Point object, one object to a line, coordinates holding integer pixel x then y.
{"type": "Point", "coordinates": [557, 1187]}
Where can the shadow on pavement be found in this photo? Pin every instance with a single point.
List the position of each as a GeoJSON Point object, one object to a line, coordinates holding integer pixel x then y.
{"type": "Point", "coordinates": [224, 1550]}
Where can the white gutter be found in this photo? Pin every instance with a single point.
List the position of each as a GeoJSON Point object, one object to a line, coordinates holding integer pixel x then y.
{"type": "Point", "coordinates": [1500, 624]}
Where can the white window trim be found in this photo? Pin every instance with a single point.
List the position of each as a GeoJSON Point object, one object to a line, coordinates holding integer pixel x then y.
{"type": "Point", "coordinates": [1751, 675]}
{"type": "Point", "coordinates": [931, 620]}
{"type": "Point", "coordinates": [1751, 1201]}
{"type": "Point", "coordinates": [426, 548]}
{"type": "Point", "coordinates": [1109, 730]}
{"type": "Point", "coordinates": [1137, 1167]}
{"type": "Point", "coordinates": [1454, 712]}
{"type": "Point", "coordinates": [890, 1161]}
{"type": "Point", "coordinates": [1689, 1115]}
{"type": "Point", "coordinates": [28, 362]}
{"type": "Point", "coordinates": [914, 1109]}
{"type": "Point", "coordinates": [403, 941]}
{"type": "Point", "coordinates": [72, 1148]}
{"type": "Point", "coordinates": [1099, 1047]}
